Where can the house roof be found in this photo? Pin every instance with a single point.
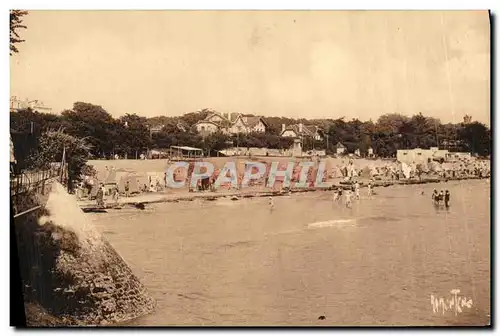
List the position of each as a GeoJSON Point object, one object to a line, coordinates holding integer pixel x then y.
{"type": "Point", "coordinates": [253, 121]}
{"type": "Point", "coordinates": [208, 122]}
{"type": "Point", "coordinates": [340, 145]}
{"type": "Point", "coordinates": [157, 127]}
{"type": "Point", "coordinates": [223, 123]}
{"type": "Point", "coordinates": [181, 126]}
{"type": "Point", "coordinates": [187, 148]}
{"type": "Point", "coordinates": [307, 130]}
{"type": "Point", "coordinates": [233, 117]}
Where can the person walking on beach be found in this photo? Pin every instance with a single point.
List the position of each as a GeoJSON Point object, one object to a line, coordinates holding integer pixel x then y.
{"type": "Point", "coordinates": [100, 196]}
{"type": "Point", "coordinates": [114, 194]}
{"type": "Point", "coordinates": [127, 188]}
{"type": "Point", "coordinates": [356, 190]}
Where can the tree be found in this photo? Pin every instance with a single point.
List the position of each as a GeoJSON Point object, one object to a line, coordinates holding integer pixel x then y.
{"type": "Point", "coordinates": [133, 133]}
{"type": "Point", "coordinates": [477, 137]}
{"type": "Point", "coordinates": [51, 147]}
{"type": "Point", "coordinates": [96, 124]}
{"type": "Point", "coordinates": [16, 23]}
{"type": "Point", "coordinates": [193, 117]}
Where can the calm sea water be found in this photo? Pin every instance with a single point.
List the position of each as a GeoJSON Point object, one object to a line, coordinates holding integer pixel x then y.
{"type": "Point", "coordinates": [237, 263]}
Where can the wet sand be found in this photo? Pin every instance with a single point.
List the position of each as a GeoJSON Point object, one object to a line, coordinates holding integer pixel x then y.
{"type": "Point", "coordinates": [236, 263]}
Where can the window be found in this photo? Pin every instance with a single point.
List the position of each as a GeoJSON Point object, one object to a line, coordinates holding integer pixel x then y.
{"type": "Point", "coordinates": [202, 128]}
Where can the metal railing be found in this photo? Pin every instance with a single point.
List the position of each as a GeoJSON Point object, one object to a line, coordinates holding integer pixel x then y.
{"type": "Point", "coordinates": [27, 181]}
{"type": "Point", "coordinates": [27, 188]}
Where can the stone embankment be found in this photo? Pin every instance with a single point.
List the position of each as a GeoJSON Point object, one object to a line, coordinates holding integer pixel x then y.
{"type": "Point", "coordinates": [71, 275]}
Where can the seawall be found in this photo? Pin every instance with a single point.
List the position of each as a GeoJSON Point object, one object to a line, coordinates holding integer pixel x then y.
{"type": "Point", "coordinates": [70, 274]}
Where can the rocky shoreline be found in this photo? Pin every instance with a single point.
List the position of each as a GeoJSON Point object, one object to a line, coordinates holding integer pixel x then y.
{"type": "Point", "coordinates": [71, 276]}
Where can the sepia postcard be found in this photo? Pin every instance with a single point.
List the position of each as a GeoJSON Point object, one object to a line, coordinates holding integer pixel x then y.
{"type": "Point", "coordinates": [250, 168]}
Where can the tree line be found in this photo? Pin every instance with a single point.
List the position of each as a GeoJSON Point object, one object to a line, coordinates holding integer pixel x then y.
{"type": "Point", "coordinates": [131, 135]}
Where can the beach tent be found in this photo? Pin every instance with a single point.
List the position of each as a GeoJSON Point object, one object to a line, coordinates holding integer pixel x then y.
{"type": "Point", "coordinates": [156, 176]}
{"type": "Point", "coordinates": [136, 181]}
{"type": "Point", "coordinates": [366, 172]}
{"type": "Point", "coordinates": [336, 172]}
{"type": "Point", "coordinates": [406, 170]}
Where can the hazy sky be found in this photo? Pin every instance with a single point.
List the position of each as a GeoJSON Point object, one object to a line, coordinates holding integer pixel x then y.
{"type": "Point", "coordinates": [295, 64]}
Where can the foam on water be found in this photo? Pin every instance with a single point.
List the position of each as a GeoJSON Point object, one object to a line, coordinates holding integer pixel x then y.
{"type": "Point", "coordinates": [330, 223]}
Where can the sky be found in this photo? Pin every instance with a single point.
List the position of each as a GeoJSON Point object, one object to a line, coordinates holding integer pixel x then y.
{"type": "Point", "coordinates": [312, 64]}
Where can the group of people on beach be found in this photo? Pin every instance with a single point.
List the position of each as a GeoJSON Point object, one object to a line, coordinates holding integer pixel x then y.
{"type": "Point", "coordinates": [101, 191]}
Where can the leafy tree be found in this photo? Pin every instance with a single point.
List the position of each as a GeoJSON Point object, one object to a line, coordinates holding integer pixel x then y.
{"type": "Point", "coordinates": [51, 147]}
{"type": "Point", "coordinates": [214, 142]}
{"type": "Point", "coordinates": [476, 137]}
{"type": "Point", "coordinates": [133, 133]}
{"type": "Point", "coordinates": [193, 117]}
{"type": "Point", "coordinates": [16, 23]}
{"type": "Point", "coordinates": [94, 123]}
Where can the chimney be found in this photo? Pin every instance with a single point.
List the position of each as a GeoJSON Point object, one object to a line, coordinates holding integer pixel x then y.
{"type": "Point", "coordinates": [283, 128]}
{"type": "Point", "coordinates": [226, 115]}
{"type": "Point", "coordinates": [300, 127]}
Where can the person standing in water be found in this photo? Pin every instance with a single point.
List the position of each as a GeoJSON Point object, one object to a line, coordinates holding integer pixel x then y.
{"type": "Point", "coordinates": [271, 203]}
{"type": "Point", "coordinates": [435, 196]}
{"type": "Point", "coordinates": [441, 196]}
{"type": "Point", "coordinates": [370, 190]}
{"type": "Point", "coordinates": [335, 195]}
{"type": "Point", "coordinates": [447, 199]}
{"type": "Point", "coordinates": [348, 199]}
{"type": "Point", "coordinates": [356, 190]}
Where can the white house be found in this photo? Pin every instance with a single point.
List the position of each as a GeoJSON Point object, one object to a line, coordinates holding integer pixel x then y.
{"type": "Point", "coordinates": [153, 129]}
{"type": "Point", "coordinates": [301, 130]}
{"type": "Point", "coordinates": [230, 124]}
{"type": "Point", "coordinates": [340, 149]}
{"type": "Point", "coordinates": [35, 105]}
{"type": "Point", "coordinates": [205, 127]}
{"type": "Point", "coordinates": [243, 124]}
{"type": "Point", "coordinates": [215, 118]}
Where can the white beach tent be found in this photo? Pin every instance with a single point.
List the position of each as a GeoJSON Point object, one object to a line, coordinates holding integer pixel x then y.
{"type": "Point", "coordinates": [136, 181]}
{"type": "Point", "coordinates": [366, 172]}
{"type": "Point", "coordinates": [406, 170]}
{"type": "Point", "coordinates": [156, 176]}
